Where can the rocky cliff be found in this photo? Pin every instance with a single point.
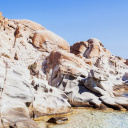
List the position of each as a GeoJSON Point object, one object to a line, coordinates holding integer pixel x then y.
{"type": "Point", "coordinates": [41, 74]}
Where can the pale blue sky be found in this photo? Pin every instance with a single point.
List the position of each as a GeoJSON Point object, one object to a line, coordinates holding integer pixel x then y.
{"type": "Point", "coordinates": [77, 20]}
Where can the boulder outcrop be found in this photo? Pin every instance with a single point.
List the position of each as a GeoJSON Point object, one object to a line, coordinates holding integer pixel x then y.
{"type": "Point", "coordinates": [25, 92]}
{"type": "Point", "coordinates": [21, 98]}
{"type": "Point", "coordinates": [48, 41]}
{"type": "Point", "coordinates": [40, 74]}
{"type": "Point", "coordinates": [89, 84]}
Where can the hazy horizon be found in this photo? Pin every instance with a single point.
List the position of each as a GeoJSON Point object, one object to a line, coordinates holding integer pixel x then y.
{"type": "Point", "coordinates": [77, 20]}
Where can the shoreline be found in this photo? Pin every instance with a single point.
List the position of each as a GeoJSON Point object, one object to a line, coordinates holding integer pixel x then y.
{"type": "Point", "coordinates": [82, 117]}
{"type": "Point", "coordinates": [73, 110]}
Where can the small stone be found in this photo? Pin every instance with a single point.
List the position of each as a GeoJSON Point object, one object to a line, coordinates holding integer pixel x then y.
{"type": "Point", "coordinates": [58, 120]}
{"type": "Point", "coordinates": [33, 82]}
{"type": "Point", "coordinates": [16, 57]}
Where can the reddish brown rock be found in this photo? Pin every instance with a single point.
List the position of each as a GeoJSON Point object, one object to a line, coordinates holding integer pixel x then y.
{"type": "Point", "coordinates": [93, 48]}
{"type": "Point", "coordinates": [94, 51]}
{"type": "Point", "coordinates": [1, 16]}
{"type": "Point", "coordinates": [88, 61]}
{"type": "Point", "coordinates": [48, 41]}
{"type": "Point", "coordinates": [126, 61]}
{"type": "Point", "coordinates": [61, 57]}
{"type": "Point", "coordinates": [79, 48]}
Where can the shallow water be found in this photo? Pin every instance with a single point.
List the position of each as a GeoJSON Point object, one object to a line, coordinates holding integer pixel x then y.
{"type": "Point", "coordinates": [87, 118]}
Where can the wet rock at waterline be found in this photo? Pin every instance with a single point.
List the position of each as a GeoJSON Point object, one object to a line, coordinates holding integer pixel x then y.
{"type": "Point", "coordinates": [40, 74]}
{"type": "Point", "coordinates": [58, 120]}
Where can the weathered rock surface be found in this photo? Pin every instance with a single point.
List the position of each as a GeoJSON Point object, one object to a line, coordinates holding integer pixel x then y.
{"type": "Point", "coordinates": [48, 100]}
{"type": "Point", "coordinates": [48, 41]}
{"type": "Point", "coordinates": [90, 49]}
{"type": "Point", "coordinates": [32, 25]}
{"type": "Point", "coordinates": [25, 92]}
{"type": "Point", "coordinates": [89, 84]}
{"type": "Point", "coordinates": [20, 99]}
{"type": "Point", "coordinates": [40, 76]}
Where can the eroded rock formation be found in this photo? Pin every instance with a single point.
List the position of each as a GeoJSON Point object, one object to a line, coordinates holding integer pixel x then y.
{"type": "Point", "coordinates": [25, 92]}
{"type": "Point", "coordinates": [41, 74]}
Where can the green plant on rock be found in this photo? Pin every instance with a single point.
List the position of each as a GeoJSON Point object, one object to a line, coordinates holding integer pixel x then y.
{"type": "Point", "coordinates": [33, 70]}
{"type": "Point", "coordinates": [32, 66]}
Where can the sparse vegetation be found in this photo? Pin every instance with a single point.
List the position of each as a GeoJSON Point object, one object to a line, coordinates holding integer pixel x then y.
{"type": "Point", "coordinates": [32, 66]}
{"type": "Point", "coordinates": [33, 70]}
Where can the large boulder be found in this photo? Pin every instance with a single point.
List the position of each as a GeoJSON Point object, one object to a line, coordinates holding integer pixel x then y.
{"type": "Point", "coordinates": [91, 48]}
{"type": "Point", "coordinates": [32, 25]}
{"type": "Point", "coordinates": [79, 48]}
{"type": "Point", "coordinates": [48, 41]}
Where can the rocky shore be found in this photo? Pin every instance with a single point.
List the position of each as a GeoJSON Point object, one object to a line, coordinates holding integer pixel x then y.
{"type": "Point", "coordinates": [40, 74]}
{"type": "Point", "coordinates": [90, 118]}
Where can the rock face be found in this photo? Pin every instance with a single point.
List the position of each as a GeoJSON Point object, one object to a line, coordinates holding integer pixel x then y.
{"type": "Point", "coordinates": [89, 78]}
{"type": "Point", "coordinates": [41, 74]}
{"type": "Point", "coordinates": [25, 92]}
